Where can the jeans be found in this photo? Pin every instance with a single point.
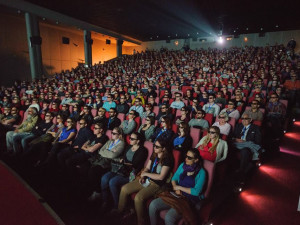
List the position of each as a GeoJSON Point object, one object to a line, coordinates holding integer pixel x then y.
{"type": "Point", "coordinates": [13, 140]}
{"type": "Point", "coordinates": [158, 205]}
{"type": "Point", "coordinates": [26, 140]}
{"type": "Point", "coordinates": [112, 182]}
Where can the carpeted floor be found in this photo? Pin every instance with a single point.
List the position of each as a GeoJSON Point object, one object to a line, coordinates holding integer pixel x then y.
{"type": "Point", "coordinates": [272, 194]}
{"type": "Point", "coordinates": [19, 206]}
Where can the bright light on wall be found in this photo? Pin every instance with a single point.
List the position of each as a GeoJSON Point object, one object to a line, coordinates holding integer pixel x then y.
{"type": "Point", "coordinates": [176, 43]}
{"type": "Point", "coordinates": [245, 39]}
{"type": "Point", "coordinates": [220, 40]}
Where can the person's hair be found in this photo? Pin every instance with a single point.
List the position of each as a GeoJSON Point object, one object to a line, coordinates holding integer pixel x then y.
{"type": "Point", "coordinates": [213, 95]}
{"type": "Point", "coordinates": [207, 139]}
{"type": "Point", "coordinates": [73, 121]}
{"type": "Point", "coordinates": [225, 115]}
{"type": "Point", "coordinates": [234, 102]}
{"type": "Point", "coordinates": [114, 109]}
{"type": "Point", "coordinates": [166, 154]}
{"type": "Point", "coordinates": [35, 111]}
{"type": "Point", "coordinates": [178, 93]}
{"type": "Point", "coordinates": [167, 121]}
{"type": "Point", "coordinates": [85, 121]}
{"type": "Point", "coordinates": [138, 99]}
{"type": "Point", "coordinates": [152, 119]}
{"type": "Point", "coordinates": [186, 128]}
{"type": "Point", "coordinates": [150, 106]}
{"type": "Point", "coordinates": [101, 108]}
{"type": "Point", "coordinates": [197, 155]}
{"type": "Point", "coordinates": [185, 108]}
{"type": "Point", "coordinates": [101, 126]}
{"type": "Point", "coordinates": [139, 137]}
{"type": "Point", "coordinates": [120, 132]}
{"type": "Point", "coordinates": [135, 113]}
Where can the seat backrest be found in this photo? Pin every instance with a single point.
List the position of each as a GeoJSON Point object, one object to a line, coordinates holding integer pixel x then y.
{"type": "Point", "coordinates": [195, 134]}
{"type": "Point", "coordinates": [94, 112]}
{"type": "Point", "coordinates": [121, 116]}
{"type": "Point", "coordinates": [185, 88]}
{"type": "Point", "coordinates": [209, 117]}
{"type": "Point", "coordinates": [108, 133]}
{"type": "Point", "coordinates": [149, 146]}
{"type": "Point", "coordinates": [156, 110]}
{"type": "Point", "coordinates": [210, 169]}
{"type": "Point", "coordinates": [284, 102]}
{"type": "Point", "coordinates": [176, 155]}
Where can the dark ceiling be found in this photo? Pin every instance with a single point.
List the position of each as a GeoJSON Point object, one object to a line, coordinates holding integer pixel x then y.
{"type": "Point", "coordinates": [160, 20]}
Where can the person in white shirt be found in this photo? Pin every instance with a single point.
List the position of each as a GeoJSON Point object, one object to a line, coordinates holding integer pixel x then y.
{"type": "Point", "coordinates": [222, 124]}
{"type": "Point", "coordinates": [137, 106]}
{"type": "Point", "coordinates": [211, 106]}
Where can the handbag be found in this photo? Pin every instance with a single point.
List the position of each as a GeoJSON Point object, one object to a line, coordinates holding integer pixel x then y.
{"type": "Point", "coordinates": [116, 167]}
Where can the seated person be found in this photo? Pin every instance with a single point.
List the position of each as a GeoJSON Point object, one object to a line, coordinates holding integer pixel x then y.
{"type": "Point", "coordinates": [199, 121]}
{"type": "Point", "coordinates": [212, 147]}
{"type": "Point", "coordinates": [137, 106]}
{"type": "Point", "coordinates": [211, 107]}
{"type": "Point", "coordinates": [148, 111]}
{"type": "Point", "coordinates": [152, 179]}
{"type": "Point", "coordinates": [183, 140]}
{"type": "Point", "coordinates": [64, 112]}
{"type": "Point", "coordinates": [75, 114]}
{"type": "Point", "coordinates": [188, 181]}
{"type": "Point", "coordinates": [247, 140]}
{"type": "Point", "coordinates": [254, 112]}
{"type": "Point", "coordinates": [100, 117]}
{"type": "Point", "coordinates": [164, 111]}
{"type": "Point", "coordinates": [164, 132]}
{"type": "Point", "coordinates": [223, 124]}
{"type": "Point", "coordinates": [14, 137]}
{"type": "Point", "coordinates": [113, 121]}
{"type": "Point", "coordinates": [127, 167]}
{"type": "Point", "coordinates": [122, 107]}
{"type": "Point", "coordinates": [100, 163]}
{"type": "Point", "coordinates": [231, 110]}
{"type": "Point", "coordinates": [177, 104]}
{"type": "Point", "coordinates": [184, 117]}
{"type": "Point", "coordinates": [147, 129]}
{"type": "Point", "coordinates": [87, 115]}
{"type": "Point", "coordinates": [128, 126]}
{"type": "Point", "coordinates": [10, 117]}
{"type": "Point", "coordinates": [109, 103]}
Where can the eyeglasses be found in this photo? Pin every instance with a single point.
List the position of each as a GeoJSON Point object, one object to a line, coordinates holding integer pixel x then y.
{"type": "Point", "coordinates": [254, 104]}
{"type": "Point", "coordinates": [133, 139]}
{"type": "Point", "coordinates": [199, 113]}
{"type": "Point", "coordinates": [69, 121]}
{"type": "Point", "coordinates": [113, 133]}
{"type": "Point", "coordinates": [162, 121]}
{"type": "Point", "coordinates": [212, 132]}
{"type": "Point", "coordinates": [221, 117]}
{"type": "Point", "coordinates": [147, 119]}
{"type": "Point", "coordinates": [82, 123]}
{"type": "Point", "coordinates": [45, 116]}
{"type": "Point", "coordinates": [230, 103]}
{"type": "Point", "coordinates": [189, 157]}
{"type": "Point", "coordinates": [273, 97]}
{"type": "Point", "coordinates": [131, 113]}
{"type": "Point", "coordinates": [97, 128]}
{"type": "Point", "coordinates": [111, 111]}
{"type": "Point", "coordinates": [163, 107]}
{"type": "Point", "coordinates": [210, 98]}
{"type": "Point", "coordinates": [245, 118]}
{"type": "Point", "coordinates": [177, 96]}
{"type": "Point", "coordinates": [156, 146]}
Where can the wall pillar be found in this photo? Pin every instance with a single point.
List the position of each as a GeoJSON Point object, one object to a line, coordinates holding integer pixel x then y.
{"type": "Point", "coordinates": [34, 45]}
{"type": "Point", "coordinates": [88, 41]}
{"type": "Point", "coordinates": [119, 47]}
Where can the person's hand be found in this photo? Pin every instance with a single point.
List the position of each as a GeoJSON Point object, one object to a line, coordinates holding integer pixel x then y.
{"type": "Point", "coordinates": [76, 146]}
{"type": "Point", "coordinates": [178, 192]}
{"type": "Point", "coordinates": [121, 160]}
{"type": "Point", "coordinates": [176, 188]}
{"type": "Point", "coordinates": [16, 131]}
{"type": "Point", "coordinates": [142, 180]}
{"type": "Point", "coordinates": [144, 174]}
{"type": "Point", "coordinates": [239, 140]}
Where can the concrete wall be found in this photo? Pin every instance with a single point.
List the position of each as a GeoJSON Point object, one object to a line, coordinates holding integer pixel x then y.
{"type": "Point", "coordinates": [270, 38]}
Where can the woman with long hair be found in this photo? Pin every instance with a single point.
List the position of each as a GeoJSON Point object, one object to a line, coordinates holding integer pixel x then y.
{"type": "Point", "coordinates": [151, 180]}
{"type": "Point", "coordinates": [188, 184]}
{"type": "Point", "coordinates": [183, 141]}
{"type": "Point", "coordinates": [123, 170]}
{"type": "Point", "coordinates": [212, 147]}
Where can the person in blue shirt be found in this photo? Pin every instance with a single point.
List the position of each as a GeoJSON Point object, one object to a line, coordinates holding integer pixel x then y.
{"type": "Point", "coordinates": [109, 103]}
{"type": "Point", "coordinates": [137, 106]}
{"type": "Point", "coordinates": [188, 181]}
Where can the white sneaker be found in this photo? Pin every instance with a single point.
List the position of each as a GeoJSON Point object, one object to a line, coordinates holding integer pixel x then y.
{"type": "Point", "coordinates": [95, 196]}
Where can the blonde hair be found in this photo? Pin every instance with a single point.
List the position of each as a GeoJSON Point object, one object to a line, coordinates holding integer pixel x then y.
{"type": "Point", "coordinates": [207, 139]}
{"type": "Point", "coordinates": [225, 115]}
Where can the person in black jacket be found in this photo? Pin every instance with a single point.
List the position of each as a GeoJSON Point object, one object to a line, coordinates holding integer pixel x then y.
{"type": "Point", "coordinates": [247, 140]}
{"type": "Point", "coordinates": [164, 132]}
{"type": "Point", "coordinates": [131, 164]}
{"type": "Point", "coordinates": [122, 107]}
{"type": "Point", "coordinates": [183, 141]}
{"type": "Point", "coordinates": [113, 120]}
{"type": "Point", "coordinates": [84, 134]}
{"type": "Point", "coordinates": [164, 111]}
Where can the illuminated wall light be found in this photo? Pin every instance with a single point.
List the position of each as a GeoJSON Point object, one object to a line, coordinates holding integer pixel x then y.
{"type": "Point", "coordinates": [176, 43]}
{"type": "Point", "coordinates": [228, 38]}
{"type": "Point", "coordinates": [245, 39]}
{"type": "Point", "coordinates": [247, 28]}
